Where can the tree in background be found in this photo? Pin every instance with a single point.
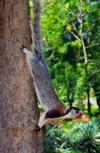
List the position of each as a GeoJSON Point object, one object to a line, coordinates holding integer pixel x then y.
{"type": "Point", "coordinates": [82, 29]}
{"type": "Point", "coordinates": [72, 34]}
{"type": "Point", "coordinates": [18, 106]}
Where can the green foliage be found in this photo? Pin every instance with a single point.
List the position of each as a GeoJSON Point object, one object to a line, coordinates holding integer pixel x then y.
{"type": "Point", "coordinates": [53, 140]}
{"type": "Point", "coordinates": [85, 138]}
{"type": "Point", "coordinates": [94, 109]}
{"type": "Point", "coordinates": [88, 135]}
{"type": "Point", "coordinates": [66, 66]}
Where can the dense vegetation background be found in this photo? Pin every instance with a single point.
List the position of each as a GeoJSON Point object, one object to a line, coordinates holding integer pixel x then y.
{"type": "Point", "coordinates": [71, 45]}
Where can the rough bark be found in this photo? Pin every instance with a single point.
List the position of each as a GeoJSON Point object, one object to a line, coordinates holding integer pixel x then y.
{"type": "Point", "coordinates": [18, 107]}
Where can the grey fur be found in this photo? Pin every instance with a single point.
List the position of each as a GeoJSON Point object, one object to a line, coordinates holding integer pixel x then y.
{"type": "Point", "coordinates": [42, 83]}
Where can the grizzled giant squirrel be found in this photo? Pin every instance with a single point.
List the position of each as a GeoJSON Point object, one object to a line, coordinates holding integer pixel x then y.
{"type": "Point", "coordinates": [53, 107]}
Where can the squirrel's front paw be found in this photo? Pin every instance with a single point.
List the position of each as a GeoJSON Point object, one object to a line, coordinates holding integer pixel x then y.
{"type": "Point", "coordinates": [22, 47]}
{"type": "Point", "coordinates": [37, 128]}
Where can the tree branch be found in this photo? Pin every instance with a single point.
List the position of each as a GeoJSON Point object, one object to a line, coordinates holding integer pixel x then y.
{"type": "Point", "coordinates": [93, 45]}
{"type": "Point", "coordinates": [49, 4]}
{"type": "Point", "coordinates": [51, 56]}
{"type": "Point", "coordinates": [75, 35]}
{"type": "Point", "coordinates": [75, 28]}
{"type": "Point", "coordinates": [71, 12]}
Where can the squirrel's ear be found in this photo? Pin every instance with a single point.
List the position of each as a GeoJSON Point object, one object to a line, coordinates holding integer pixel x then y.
{"type": "Point", "coordinates": [70, 109]}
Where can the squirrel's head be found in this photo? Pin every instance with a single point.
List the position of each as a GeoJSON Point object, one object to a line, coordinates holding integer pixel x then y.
{"type": "Point", "coordinates": [73, 112]}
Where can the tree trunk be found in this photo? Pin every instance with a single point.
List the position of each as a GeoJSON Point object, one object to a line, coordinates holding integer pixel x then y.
{"type": "Point", "coordinates": [18, 107]}
{"type": "Point", "coordinates": [89, 105]}
{"type": "Point", "coordinates": [98, 103]}
{"type": "Point", "coordinates": [86, 73]}
{"type": "Point", "coordinates": [97, 94]}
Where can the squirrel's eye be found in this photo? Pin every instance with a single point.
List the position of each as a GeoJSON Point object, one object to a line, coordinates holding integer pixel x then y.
{"type": "Point", "coordinates": [77, 111]}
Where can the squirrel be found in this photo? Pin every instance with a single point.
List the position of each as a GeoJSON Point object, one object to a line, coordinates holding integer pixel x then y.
{"type": "Point", "coordinates": [53, 107]}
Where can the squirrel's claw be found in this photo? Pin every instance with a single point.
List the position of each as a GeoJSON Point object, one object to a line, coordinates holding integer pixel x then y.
{"type": "Point", "coordinates": [23, 46]}
{"type": "Point", "coordinates": [37, 128]}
